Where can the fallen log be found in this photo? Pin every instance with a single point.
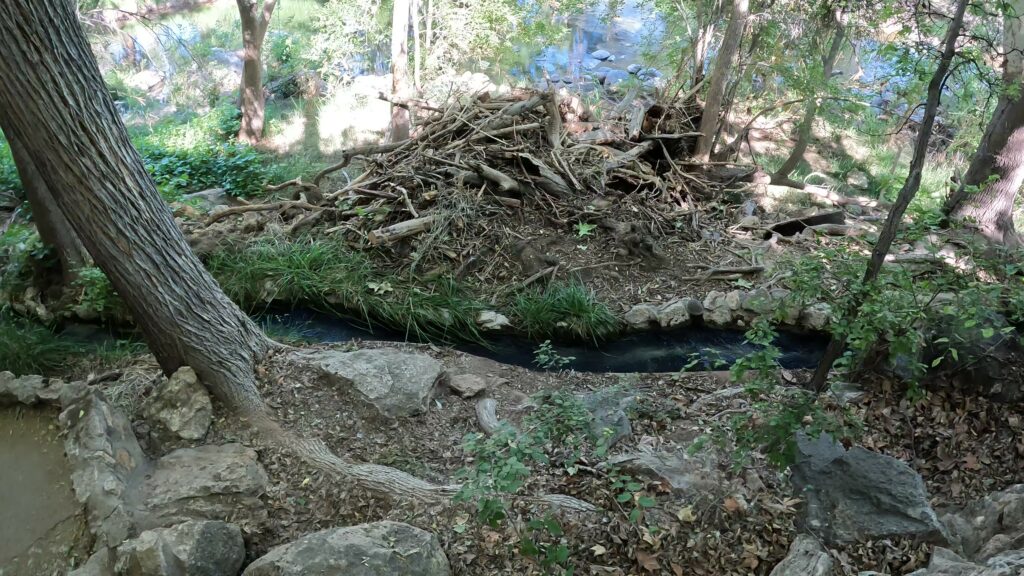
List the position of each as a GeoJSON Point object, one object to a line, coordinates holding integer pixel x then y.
{"type": "Point", "coordinates": [486, 415]}
{"type": "Point", "coordinates": [389, 234]}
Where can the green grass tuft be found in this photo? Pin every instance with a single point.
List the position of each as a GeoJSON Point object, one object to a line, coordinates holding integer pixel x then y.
{"type": "Point", "coordinates": [28, 347]}
{"type": "Point", "coordinates": [564, 310]}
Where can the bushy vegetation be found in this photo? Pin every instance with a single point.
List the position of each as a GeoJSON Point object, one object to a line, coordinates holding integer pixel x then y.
{"type": "Point", "coordinates": [329, 276]}
{"type": "Point", "coordinates": [564, 310]}
{"type": "Point", "coordinates": [27, 347]}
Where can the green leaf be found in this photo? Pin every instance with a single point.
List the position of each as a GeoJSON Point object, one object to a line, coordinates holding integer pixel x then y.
{"type": "Point", "coordinates": [987, 332]}
{"type": "Point", "coordinates": [624, 497]}
{"type": "Point", "coordinates": [646, 502]}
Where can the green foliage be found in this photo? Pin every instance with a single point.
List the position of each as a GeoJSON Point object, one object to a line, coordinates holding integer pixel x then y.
{"type": "Point", "coordinates": [97, 294]}
{"type": "Point", "coordinates": [631, 494]}
{"type": "Point", "coordinates": [21, 251]}
{"type": "Point", "coordinates": [546, 357]}
{"type": "Point", "coordinates": [9, 179]}
{"type": "Point", "coordinates": [544, 542]}
{"type": "Point", "coordinates": [328, 275]}
{"type": "Point", "coordinates": [27, 347]}
{"type": "Point", "coordinates": [570, 310]}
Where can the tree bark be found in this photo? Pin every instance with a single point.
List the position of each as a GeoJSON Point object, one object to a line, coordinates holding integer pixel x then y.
{"type": "Point", "coordinates": [892, 222]}
{"type": "Point", "coordinates": [986, 196]}
{"type": "Point", "coordinates": [255, 22]}
{"type": "Point", "coordinates": [399, 69]}
{"type": "Point", "coordinates": [719, 76]}
{"type": "Point", "coordinates": [416, 51]}
{"type": "Point", "coordinates": [59, 111]}
{"type": "Point", "coordinates": [53, 227]}
{"type": "Point", "coordinates": [803, 138]}
{"type": "Point", "coordinates": [707, 14]}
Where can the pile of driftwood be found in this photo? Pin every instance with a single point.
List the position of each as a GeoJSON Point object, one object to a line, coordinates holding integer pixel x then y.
{"type": "Point", "coordinates": [549, 158]}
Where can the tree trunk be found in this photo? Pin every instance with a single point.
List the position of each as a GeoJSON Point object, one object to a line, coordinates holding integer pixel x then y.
{"type": "Point", "coordinates": [989, 189]}
{"type": "Point", "coordinates": [892, 222]}
{"type": "Point", "coordinates": [399, 69]}
{"type": "Point", "coordinates": [254, 30]}
{"type": "Point", "coordinates": [719, 76]}
{"type": "Point", "coordinates": [707, 14]}
{"type": "Point", "coordinates": [803, 138]}
{"type": "Point", "coordinates": [53, 227]}
{"type": "Point", "coordinates": [416, 52]}
{"type": "Point", "coordinates": [59, 112]}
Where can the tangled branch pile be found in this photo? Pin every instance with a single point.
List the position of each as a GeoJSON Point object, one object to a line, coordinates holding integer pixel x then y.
{"type": "Point", "coordinates": [532, 158]}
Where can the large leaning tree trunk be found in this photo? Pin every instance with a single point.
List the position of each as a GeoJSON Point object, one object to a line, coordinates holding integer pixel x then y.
{"type": "Point", "coordinates": [986, 196]}
{"type": "Point", "coordinates": [255, 21]}
{"type": "Point", "coordinates": [719, 76]}
{"type": "Point", "coordinates": [54, 229]}
{"type": "Point", "coordinates": [399, 69]}
{"type": "Point", "coordinates": [60, 114]}
{"type": "Point", "coordinates": [804, 131]}
{"type": "Point", "coordinates": [910, 186]}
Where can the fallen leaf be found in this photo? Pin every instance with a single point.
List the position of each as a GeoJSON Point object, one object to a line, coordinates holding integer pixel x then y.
{"type": "Point", "coordinates": [647, 561]}
{"type": "Point", "coordinates": [677, 569]}
{"type": "Point", "coordinates": [598, 550]}
{"type": "Point", "coordinates": [686, 514]}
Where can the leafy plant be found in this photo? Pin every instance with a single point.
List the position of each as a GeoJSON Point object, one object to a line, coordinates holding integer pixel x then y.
{"type": "Point", "coordinates": [97, 293]}
{"type": "Point", "coordinates": [564, 309]}
{"type": "Point", "coordinates": [584, 229]}
{"type": "Point", "coordinates": [546, 357]}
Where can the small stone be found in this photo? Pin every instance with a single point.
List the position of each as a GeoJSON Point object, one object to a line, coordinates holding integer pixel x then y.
{"type": "Point", "coordinates": [816, 316]}
{"type": "Point", "coordinates": [492, 321]}
{"type": "Point", "coordinates": [716, 311]}
{"type": "Point", "coordinates": [634, 68]}
{"type": "Point", "coordinates": [674, 314]}
{"type": "Point", "coordinates": [857, 179]}
{"type": "Point", "coordinates": [806, 558]}
{"type": "Point", "coordinates": [601, 54]}
{"type": "Point", "coordinates": [467, 385]}
{"type": "Point", "coordinates": [758, 301]}
{"type": "Point", "coordinates": [751, 222]}
{"type": "Point", "coordinates": [27, 390]}
{"type": "Point", "coordinates": [614, 77]}
{"type": "Point", "coordinates": [641, 317]}
{"type": "Point", "coordinates": [194, 548]}
{"type": "Point", "coordinates": [734, 300]}
{"type": "Point", "coordinates": [373, 549]}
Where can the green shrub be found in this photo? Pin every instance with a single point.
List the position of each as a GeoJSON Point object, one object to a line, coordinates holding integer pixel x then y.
{"type": "Point", "coordinates": [97, 293]}
{"type": "Point", "coordinates": [9, 179]}
{"type": "Point", "coordinates": [30, 348]}
{"type": "Point", "coordinates": [569, 310]}
{"type": "Point", "coordinates": [20, 251]}
{"type": "Point", "coordinates": [238, 169]}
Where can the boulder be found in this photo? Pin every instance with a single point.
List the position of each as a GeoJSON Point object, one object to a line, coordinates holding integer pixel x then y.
{"type": "Point", "coordinates": [679, 313]}
{"type": "Point", "coordinates": [192, 548]}
{"type": "Point", "coordinates": [490, 320]}
{"type": "Point", "coordinates": [806, 558]}
{"type": "Point", "coordinates": [468, 385]}
{"type": "Point", "coordinates": [989, 526]}
{"type": "Point", "coordinates": [853, 495]}
{"type": "Point", "coordinates": [389, 548]}
{"type": "Point", "coordinates": [816, 316]}
{"type": "Point", "coordinates": [601, 54]}
{"type": "Point", "coordinates": [634, 68]}
{"type": "Point", "coordinates": [947, 563]}
{"type": "Point", "coordinates": [101, 563]}
{"type": "Point", "coordinates": [608, 407]}
{"type": "Point", "coordinates": [641, 317]}
{"type": "Point", "coordinates": [105, 458]}
{"type": "Point", "coordinates": [716, 311]}
{"type": "Point", "coordinates": [179, 410]}
{"type": "Point", "coordinates": [614, 77]}
{"type": "Point", "coordinates": [206, 483]}
{"type": "Point", "coordinates": [601, 73]}
{"type": "Point", "coordinates": [395, 383]}
{"type": "Point", "coordinates": [684, 473]}
{"type": "Point", "coordinates": [27, 390]}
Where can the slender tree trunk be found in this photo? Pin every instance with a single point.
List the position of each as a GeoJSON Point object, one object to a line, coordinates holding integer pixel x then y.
{"type": "Point", "coordinates": [719, 77]}
{"type": "Point", "coordinates": [53, 227]}
{"type": "Point", "coordinates": [804, 132]}
{"type": "Point", "coordinates": [892, 222]}
{"type": "Point", "coordinates": [989, 189]}
{"type": "Point", "coordinates": [416, 52]}
{"type": "Point", "coordinates": [707, 14]}
{"type": "Point", "coordinates": [254, 30]}
{"type": "Point", "coordinates": [399, 69]}
{"type": "Point", "coordinates": [60, 113]}
{"type": "Point", "coordinates": [429, 34]}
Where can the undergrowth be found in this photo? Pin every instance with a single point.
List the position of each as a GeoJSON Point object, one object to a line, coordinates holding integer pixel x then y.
{"type": "Point", "coordinates": [564, 310]}
{"type": "Point", "coordinates": [328, 276]}
{"type": "Point", "coordinates": [27, 347]}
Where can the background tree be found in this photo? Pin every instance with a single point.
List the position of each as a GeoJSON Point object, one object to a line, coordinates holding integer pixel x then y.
{"type": "Point", "coordinates": [986, 196]}
{"type": "Point", "coordinates": [255, 21]}
{"type": "Point", "coordinates": [720, 75]}
{"type": "Point", "coordinates": [399, 69]}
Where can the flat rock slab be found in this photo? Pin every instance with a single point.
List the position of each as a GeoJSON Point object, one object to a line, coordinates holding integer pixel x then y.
{"type": "Point", "coordinates": [380, 548]}
{"type": "Point", "coordinates": [394, 382]}
{"type": "Point", "coordinates": [26, 390]}
{"type": "Point", "coordinates": [854, 495]}
{"type": "Point", "coordinates": [684, 473]}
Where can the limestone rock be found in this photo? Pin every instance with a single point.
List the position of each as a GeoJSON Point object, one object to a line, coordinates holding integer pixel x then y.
{"type": "Point", "coordinates": [389, 548]}
{"type": "Point", "coordinates": [816, 316]}
{"type": "Point", "coordinates": [192, 548]}
{"type": "Point", "coordinates": [989, 526]}
{"type": "Point", "coordinates": [101, 563]}
{"type": "Point", "coordinates": [858, 494]}
{"type": "Point", "coordinates": [947, 563]}
{"type": "Point", "coordinates": [608, 407]}
{"type": "Point", "coordinates": [734, 300]}
{"type": "Point", "coordinates": [634, 68]}
{"type": "Point", "coordinates": [491, 320]}
{"type": "Point", "coordinates": [180, 409]}
{"type": "Point", "coordinates": [716, 311]}
{"type": "Point", "coordinates": [206, 483]}
{"type": "Point", "coordinates": [27, 390]}
{"type": "Point", "coordinates": [806, 558]}
{"type": "Point", "coordinates": [675, 314]}
{"type": "Point", "coordinates": [394, 382]}
{"type": "Point", "coordinates": [105, 457]}
{"type": "Point", "coordinates": [685, 473]}
{"type": "Point", "coordinates": [467, 385]}
{"type": "Point", "coordinates": [641, 317]}
{"type": "Point", "coordinates": [601, 54]}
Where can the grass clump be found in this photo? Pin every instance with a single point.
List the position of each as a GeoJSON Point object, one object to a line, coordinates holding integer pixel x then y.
{"type": "Point", "coordinates": [329, 276]}
{"type": "Point", "coordinates": [568, 310]}
{"type": "Point", "coordinates": [27, 347]}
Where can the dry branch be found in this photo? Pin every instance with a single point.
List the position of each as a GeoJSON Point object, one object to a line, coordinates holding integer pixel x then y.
{"type": "Point", "coordinates": [389, 234]}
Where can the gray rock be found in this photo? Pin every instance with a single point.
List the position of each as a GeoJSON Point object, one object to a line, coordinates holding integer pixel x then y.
{"type": "Point", "coordinates": [634, 68]}
{"type": "Point", "coordinates": [490, 320]}
{"type": "Point", "coordinates": [734, 300]}
{"type": "Point", "coordinates": [858, 494]}
{"type": "Point", "coordinates": [206, 483]}
{"type": "Point", "coordinates": [105, 457]}
{"type": "Point", "coordinates": [758, 301]}
{"type": "Point", "coordinates": [857, 179]}
{"type": "Point", "coordinates": [675, 314]}
{"type": "Point", "coordinates": [601, 54]}
{"type": "Point", "coordinates": [207, 200]}
{"type": "Point", "coordinates": [608, 407]}
{"type": "Point", "coordinates": [806, 558]}
{"type": "Point", "coordinates": [989, 526]}
{"type": "Point", "coordinates": [101, 563]}
{"type": "Point", "coordinates": [27, 390]}
{"type": "Point", "coordinates": [614, 77]}
{"type": "Point", "coordinates": [816, 316]}
{"type": "Point", "coordinates": [179, 410]}
{"type": "Point", "coordinates": [380, 548]}
{"type": "Point", "coordinates": [716, 311]}
{"type": "Point", "coordinates": [394, 382]}
{"type": "Point", "coordinates": [685, 473]}
{"type": "Point", "coordinates": [641, 317]}
{"type": "Point", "coordinates": [601, 73]}
{"type": "Point", "coordinates": [192, 548]}
{"type": "Point", "coordinates": [947, 563]}
{"type": "Point", "coordinates": [750, 222]}
{"type": "Point", "coordinates": [467, 385]}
